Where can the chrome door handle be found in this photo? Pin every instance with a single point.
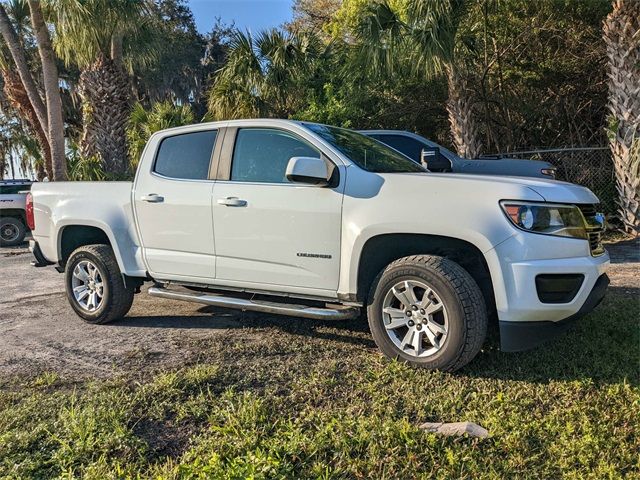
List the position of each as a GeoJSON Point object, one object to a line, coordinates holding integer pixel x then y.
{"type": "Point", "coordinates": [152, 198]}
{"type": "Point", "coordinates": [232, 202]}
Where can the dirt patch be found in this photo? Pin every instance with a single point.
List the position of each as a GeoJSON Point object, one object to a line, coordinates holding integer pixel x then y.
{"type": "Point", "coordinates": [165, 438]}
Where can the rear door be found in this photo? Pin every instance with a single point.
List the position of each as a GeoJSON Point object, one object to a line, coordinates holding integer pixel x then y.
{"type": "Point", "coordinates": [173, 207]}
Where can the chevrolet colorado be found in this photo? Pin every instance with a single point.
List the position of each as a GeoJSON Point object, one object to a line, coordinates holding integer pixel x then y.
{"type": "Point", "coordinates": [319, 222]}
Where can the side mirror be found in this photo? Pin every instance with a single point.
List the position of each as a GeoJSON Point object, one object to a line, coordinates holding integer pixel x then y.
{"type": "Point", "coordinates": [434, 161]}
{"type": "Point", "coordinates": [308, 170]}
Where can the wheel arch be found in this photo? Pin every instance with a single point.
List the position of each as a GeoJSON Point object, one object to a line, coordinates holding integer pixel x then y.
{"type": "Point", "coordinates": [380, 250]}
{"type": "Point", "coordinates": [14, 213]}
{"type": "Point", "coordinates": [73, 236]}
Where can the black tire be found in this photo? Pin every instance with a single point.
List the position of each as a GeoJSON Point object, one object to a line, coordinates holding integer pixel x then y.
{"type": "Point", "coordinates": [12, 231]}
{"type": "Point", "coordinates": [462, 299]}
{"type": "Point", "coordinates": [117, 298]}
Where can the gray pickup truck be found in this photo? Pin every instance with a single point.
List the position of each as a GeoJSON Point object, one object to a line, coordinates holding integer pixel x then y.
{"type": "Point", "coordinates": [13, 195]}
{"type": "Point", "coordinates": [438, 159]}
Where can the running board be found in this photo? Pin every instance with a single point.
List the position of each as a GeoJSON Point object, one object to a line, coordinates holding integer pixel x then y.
{"type": "Point", "coordinates": [337, 312]}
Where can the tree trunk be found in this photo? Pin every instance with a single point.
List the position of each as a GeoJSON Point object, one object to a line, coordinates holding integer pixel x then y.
{"type": "Point", "coordinates": [622, 36]}
{"type": "Point", "coordinates": [462, 122]}
{"type": "Point", "coordinates": [19, 100]}
{"type": "Point", "coordinates": [20, 59]}
{"type": "Point", "coordinates": [105, 91]}
{"type": "Point", "coordinates": [52, 92]}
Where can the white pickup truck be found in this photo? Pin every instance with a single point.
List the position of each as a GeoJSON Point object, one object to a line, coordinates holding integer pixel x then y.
{"type": "Point", "coordinates": [319, 222]}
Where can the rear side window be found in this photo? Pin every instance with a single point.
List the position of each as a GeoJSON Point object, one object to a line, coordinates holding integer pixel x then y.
{"type": "Point", "coordinates": [13, 189]}
{"type": "Point", "coordinates": [186, 156]}
{"type": "Point", "coordinates": [262, 155]}
{"type": "Point", "coordinates": [411, 147]}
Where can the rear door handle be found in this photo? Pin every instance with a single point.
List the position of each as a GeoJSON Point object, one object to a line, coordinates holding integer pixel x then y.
{"type": "Point", "coordinates": [152, 198]}
{"type": "Point", "coordinates": [232, 202]}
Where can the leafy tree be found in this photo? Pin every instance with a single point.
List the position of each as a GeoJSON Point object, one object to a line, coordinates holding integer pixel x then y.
{"type": "Point", "coordinates": [144, 123]}
{"type": "Point", "coordinates": [429, 40]}
{"type": "Point", "coordinates": [313, 16]}
{"type": "Point", "coordinates": [537, 72]}
{"type": "Point", "coordinates": [264, 76]}
{"type": "Point", "coordinates": [622, 37]}
{"type": "Point", "coordinates": [175, 71]}
{"type": "Point", "coordinates": [105, 40]}
{"type": "Point", "coordinates": [44, 115]}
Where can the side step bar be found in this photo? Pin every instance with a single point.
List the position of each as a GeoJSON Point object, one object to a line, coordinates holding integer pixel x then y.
{"type": "Point", "coordinates": [338, 312]}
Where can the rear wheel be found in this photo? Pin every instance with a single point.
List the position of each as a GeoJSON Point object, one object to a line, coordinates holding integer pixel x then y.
{"type": "Point", "coordinates": [12, 231]}
{"type": "Point", "coordinates": [94, 285]}
{"type": "Point", "coordinates": [428, 311]}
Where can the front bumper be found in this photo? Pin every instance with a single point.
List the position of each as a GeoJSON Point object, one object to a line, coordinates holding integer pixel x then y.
{"type": "Point", "coordinates": [518, 336]}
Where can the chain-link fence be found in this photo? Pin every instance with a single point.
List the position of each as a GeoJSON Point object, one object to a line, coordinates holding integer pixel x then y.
{"type": "Point", "coordinates": [590, 167]}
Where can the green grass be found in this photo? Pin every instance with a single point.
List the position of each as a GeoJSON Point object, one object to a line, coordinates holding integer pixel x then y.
{"type": "Point", "coordinates": [317, 401]}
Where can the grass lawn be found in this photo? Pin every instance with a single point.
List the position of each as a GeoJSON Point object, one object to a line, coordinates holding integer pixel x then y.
{"type": "Point", "coordinates": [317, 401]}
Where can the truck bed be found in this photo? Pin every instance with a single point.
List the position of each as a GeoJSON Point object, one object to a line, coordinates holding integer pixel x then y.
{"type": "Point", "coordinates": [104, 205]}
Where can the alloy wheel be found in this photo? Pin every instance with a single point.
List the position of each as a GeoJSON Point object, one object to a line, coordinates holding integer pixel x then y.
{"type": "Point", "coordinates": [87, 285]}
{"type": "Point", "coordinates": [415, 318]}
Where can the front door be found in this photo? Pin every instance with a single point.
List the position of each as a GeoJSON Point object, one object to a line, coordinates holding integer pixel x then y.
{"type": "Point", "coordinates": [267, 229]}
{"type": "Point", "coordinates": [173, 208]}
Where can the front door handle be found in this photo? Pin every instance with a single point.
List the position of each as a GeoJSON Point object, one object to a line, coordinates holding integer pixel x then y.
{"type": "Point", "coordinates": [152, 198]}
{"type": "Point", "coordinates": [232, 202]}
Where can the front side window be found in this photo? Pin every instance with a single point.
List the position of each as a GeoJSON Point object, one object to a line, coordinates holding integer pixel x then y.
{"type": "Point", "coordinates": [262, 154]}
{"type": "Point", "coordinates": [365, 152]}
{"type": "Point", "coordinates": [186, 156]}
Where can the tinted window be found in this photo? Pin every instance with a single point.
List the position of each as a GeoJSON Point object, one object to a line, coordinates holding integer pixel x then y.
{"type": "Point", "coordinates": [262, 154]}
{"type": "Point", "coordinates": [13, 189]}
{"type": "Point", "coordinates": [411, 147]}
{"type": "Point", "coordinates": [186, 156]}
{"type": "Point", "coordinates": [367, 153]}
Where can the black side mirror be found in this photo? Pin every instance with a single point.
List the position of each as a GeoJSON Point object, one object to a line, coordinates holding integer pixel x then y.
{"type": "Point", "coordinates": [434, 161]}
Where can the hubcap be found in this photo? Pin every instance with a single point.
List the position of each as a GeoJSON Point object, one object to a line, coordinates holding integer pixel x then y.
{"type": "Point", "coordinates": [9, 232]}
{"type": "Point", "coordinates": [87, 285]}
{"type": "Point", "coordinates": [415, 318]}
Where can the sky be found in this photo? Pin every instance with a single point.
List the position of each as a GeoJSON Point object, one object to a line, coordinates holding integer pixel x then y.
{"type": "Point", "coordinates": [254, 15]}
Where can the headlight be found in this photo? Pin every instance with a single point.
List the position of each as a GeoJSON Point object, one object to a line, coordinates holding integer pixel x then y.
{"type": "Point", "coordinates": [546, 218]}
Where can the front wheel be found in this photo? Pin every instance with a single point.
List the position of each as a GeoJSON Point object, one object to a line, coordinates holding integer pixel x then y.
{"type": "Point", "coordinates": [94, 285]}
{"type": "Point", "coordinates": [12, 231]}
{"type": "Point", "coordinates": [428, 311]}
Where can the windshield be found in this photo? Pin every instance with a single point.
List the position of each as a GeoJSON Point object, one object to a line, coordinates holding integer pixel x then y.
{"type": "Point", "coordinates": [367, 153]}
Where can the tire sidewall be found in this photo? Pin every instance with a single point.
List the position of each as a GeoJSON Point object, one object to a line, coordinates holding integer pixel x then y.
{"type": "Point", "coordinates": [455, 340]}
{"type": "Point", "coordinates": [21, 231]}
{"type": "Point", "coordinates": [77, 257]}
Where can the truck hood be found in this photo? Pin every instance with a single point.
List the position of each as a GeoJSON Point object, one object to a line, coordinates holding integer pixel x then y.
{"type": "Point", "coordinates": [548, 190]}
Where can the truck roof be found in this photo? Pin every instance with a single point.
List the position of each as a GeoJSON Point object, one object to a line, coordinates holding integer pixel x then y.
{"type": "Point", "coordinates": [16, 181]}
{"type": "Point", "coordinates": [237, 123]}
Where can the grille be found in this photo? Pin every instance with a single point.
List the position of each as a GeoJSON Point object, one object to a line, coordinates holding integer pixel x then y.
{"type": "Point", "coordinates": [594, 229]}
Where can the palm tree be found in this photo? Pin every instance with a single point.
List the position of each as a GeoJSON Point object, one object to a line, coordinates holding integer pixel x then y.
{"type": "Point", "coordinates": [263, 75]}
{"type": "Point", "coordinates": [428, 40]}
{"type": "Point", "coordinates": [143, 123]}
{"type": "Point", "coordinates": [622, 36]}
{"type": "Point", "coordinates": [55, 122]}
{"type": "Point", "coordinates": [44, 117]}
{"type": "Point", "coordinates": [96, 36]}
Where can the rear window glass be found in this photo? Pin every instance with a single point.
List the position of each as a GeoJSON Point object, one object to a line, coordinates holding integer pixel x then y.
{"type": "Point", "coordinates": [186, 156]}
{"type": "Point", "coordinates": [13, 189]}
